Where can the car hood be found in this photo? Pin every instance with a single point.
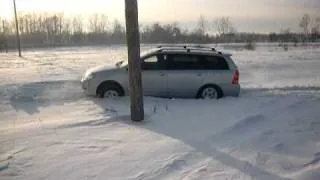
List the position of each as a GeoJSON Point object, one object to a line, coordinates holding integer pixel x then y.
{"type": "Point", "coordinates": [101, 69]}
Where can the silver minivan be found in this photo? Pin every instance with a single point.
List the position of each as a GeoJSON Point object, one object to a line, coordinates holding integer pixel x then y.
{"type": "Point", "coordinates": [170, 71]}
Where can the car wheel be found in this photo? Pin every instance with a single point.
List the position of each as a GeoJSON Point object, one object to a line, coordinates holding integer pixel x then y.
{"type": "Point", "coordinates": [210, 92]}
{"type": "Point", "coordinates": [109, 91]}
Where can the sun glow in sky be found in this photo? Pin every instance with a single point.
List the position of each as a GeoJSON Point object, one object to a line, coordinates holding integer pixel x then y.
{"type": "Point", "coordinates": [246, 15]}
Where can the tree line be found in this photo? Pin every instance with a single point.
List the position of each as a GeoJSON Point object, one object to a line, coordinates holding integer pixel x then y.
{"type": "Point", "coordinates": [52, 30]}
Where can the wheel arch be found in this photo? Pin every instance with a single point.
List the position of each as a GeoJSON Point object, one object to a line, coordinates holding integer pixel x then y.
{"type": "Point", "coordinates": [110, 83]}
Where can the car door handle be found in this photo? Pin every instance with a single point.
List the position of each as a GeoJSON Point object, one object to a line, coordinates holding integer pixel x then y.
{"type": "Point", "coordinates": [161, 74]}
{"type": "Point", "coordinates": [199, 74]}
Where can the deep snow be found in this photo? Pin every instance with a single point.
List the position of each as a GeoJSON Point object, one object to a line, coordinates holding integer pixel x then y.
{"type": "Point", "coordinates": [50, 130]}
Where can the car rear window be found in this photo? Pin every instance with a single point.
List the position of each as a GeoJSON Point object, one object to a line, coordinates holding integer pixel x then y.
{"type": "Point", "coordinates": [214, 63]}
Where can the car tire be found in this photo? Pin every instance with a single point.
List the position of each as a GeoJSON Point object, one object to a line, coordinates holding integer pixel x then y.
{"type": "Point", "coordinates": [210, 92]}
{"type": "Point", "coordinates": [110, 91]}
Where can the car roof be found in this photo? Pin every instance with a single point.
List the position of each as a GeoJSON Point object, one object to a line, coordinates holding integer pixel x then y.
{"type": "Point", "coordinates": [184, 49]}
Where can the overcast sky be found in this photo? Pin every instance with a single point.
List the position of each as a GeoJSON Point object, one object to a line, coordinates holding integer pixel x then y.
{"type": "Point", "coordinates": [246, 15]}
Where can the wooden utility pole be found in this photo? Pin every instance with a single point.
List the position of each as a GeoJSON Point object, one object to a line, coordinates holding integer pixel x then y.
{"type": "Point", "coordinates": [133, 44]}
{"type": "Point", "coordinates": [17, 27]}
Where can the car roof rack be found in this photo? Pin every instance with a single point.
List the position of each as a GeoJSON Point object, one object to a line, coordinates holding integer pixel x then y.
{"type": "Point", "coordinates": [188, 47]}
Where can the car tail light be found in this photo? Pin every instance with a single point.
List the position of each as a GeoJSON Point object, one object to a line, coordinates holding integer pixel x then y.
{"type": "Point", "coordinates": [236, 76]}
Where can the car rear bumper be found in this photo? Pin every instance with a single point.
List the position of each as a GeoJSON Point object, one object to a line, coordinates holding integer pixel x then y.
{"type": "Point", "coordinates": [231, 90]}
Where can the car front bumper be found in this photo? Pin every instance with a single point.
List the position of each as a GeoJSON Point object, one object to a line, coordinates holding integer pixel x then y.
{"type": "Point", "coordinates": [85, 85]}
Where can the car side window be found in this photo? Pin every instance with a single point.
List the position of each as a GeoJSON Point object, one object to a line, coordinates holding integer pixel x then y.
{"type": "Point", "coordinates": [213, 63]}
{"type": "Point", "coordinates": [182, 62]}
{"type": "Point", "coordinates": [153, 63]}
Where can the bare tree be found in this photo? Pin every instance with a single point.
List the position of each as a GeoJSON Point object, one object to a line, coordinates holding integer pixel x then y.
{"type": "Point", "coordinates": [118, 30]}
{"type": "Point", "coordinates": [77, 25]}
{"type": "Point", "coordinates": [224, 26]}
{"type": "Point", "coordinates": [93, 23]}
{"type": "Point", "coordinates": [117, 27]}
{"type": "Point", "coordinates": [305, 24]}
{"type": "Point", "coordinates": [77, 30]}
{"type": "Point", "coordinates": [103, 23]}
{"type": "Point", "coordinates": [202, 26]}
{"type": "Point", "coordinates": [66, 30]}
{"type": "Point", "coordinates": [3, 36]}
{"type": "Point", "coordinates": [98, 23]}
{"type": "Point", "coordinates": [286, 35]}
{"type": "Point", "coordinates": [315, 31]}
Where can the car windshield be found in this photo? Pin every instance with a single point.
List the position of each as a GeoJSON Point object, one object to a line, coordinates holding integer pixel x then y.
{"type": "Point", "coordinates": [121, 64]}
{"type": "Point", "coordinates": [142, 55]}
{"type": "Point", "coordinates": [146, 53]}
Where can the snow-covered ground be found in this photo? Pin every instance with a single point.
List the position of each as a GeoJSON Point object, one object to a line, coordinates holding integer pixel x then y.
{"type": "Point", "coordinates": [50, 130]}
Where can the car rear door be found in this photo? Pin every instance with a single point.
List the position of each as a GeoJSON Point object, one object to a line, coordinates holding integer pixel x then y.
{"type": "Point", "coordinates": [184, 78]}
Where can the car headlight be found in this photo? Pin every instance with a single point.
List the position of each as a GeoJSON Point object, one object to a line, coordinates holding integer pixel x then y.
{"type": "Point", "coordinates": [89, 76]}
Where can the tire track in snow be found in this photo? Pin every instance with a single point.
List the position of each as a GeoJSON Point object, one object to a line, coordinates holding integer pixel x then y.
{"type": "Point", "coordinates": [248, 90]}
